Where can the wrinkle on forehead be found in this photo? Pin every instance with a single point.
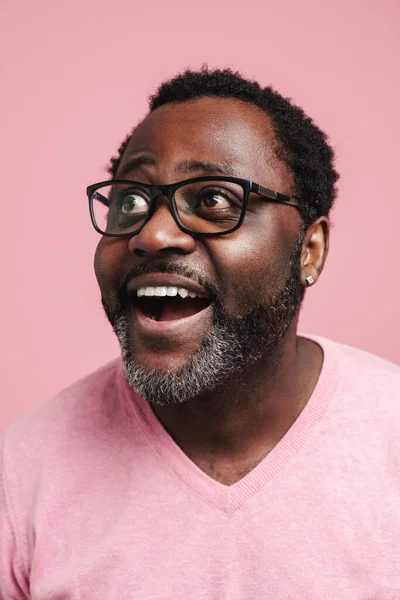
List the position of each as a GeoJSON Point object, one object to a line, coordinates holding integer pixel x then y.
{"type": "Point", "coordinates": [224, 130]}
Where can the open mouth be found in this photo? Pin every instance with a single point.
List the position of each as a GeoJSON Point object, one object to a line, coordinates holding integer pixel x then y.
{"type": "Point", "coordinates": [169, 307]}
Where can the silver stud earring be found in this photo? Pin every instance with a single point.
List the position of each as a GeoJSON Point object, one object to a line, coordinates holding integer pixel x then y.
{"type": "Point", "coordinates": [310, 280]}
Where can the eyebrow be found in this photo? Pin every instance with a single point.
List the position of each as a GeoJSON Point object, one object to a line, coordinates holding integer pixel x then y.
{"type": "Point", "coordinates": [209, 168]}
{"type": "Point", "coordinates": [183, 168]}
{"type": "Point", "coordinates": [134, 163]}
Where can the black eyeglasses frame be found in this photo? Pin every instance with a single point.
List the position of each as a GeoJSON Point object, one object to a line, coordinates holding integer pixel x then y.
{"type": "Point", "coordinates": [169, 191]}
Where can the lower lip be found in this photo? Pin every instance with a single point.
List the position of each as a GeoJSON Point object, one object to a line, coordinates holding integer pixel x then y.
{"type": "Point", "coordinates": [170, 329]}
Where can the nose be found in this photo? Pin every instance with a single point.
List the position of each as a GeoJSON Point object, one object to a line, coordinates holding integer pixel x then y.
{"type": "Point", "coordinates": [161, 234]}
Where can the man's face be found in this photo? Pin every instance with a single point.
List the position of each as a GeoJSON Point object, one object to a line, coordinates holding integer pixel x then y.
{"type": "Point", "coordinates": [250, 278]}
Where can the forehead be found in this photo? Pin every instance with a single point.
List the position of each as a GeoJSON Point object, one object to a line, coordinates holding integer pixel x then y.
{"type": "Point", "coordinates": [220, 130]}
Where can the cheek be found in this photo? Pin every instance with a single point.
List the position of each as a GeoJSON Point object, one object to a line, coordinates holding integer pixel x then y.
{"type": "Point", "coordinates": [252, 268]}
{"type": "Point", "coordinates": [108, 263]}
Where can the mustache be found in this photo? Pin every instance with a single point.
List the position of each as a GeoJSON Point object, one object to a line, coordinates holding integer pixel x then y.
{"type": "Point", "coordinates": [172, 268]}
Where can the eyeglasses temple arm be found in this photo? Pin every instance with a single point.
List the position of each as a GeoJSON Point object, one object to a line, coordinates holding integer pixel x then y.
{"type": "Point", "coordinates": [101, 198]}
{"type": "Point", "coordinates": [276, 196]}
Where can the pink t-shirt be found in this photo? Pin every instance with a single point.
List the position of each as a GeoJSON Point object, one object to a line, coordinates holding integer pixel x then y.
{"type": "Point", "coordinates": [97, 502]}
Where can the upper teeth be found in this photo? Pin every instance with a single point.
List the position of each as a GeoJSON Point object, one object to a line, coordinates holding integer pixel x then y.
{"type": "Point", "coordinates": [166, 291]}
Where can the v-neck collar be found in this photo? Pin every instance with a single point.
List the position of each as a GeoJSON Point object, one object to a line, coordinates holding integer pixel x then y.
{"type": "Point", "coordinates": [231, 498]}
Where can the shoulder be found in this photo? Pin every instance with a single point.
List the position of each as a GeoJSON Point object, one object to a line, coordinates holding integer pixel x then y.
{"type": "Point", "coordinates": [51, 454]}
{"type": "Point", "coordinates": [367, 388]}
{"type": "Point", "coordinates": [91, 401]}
{"type": "Point", "coordinates": [362, 373]}
{"type": "Point", "coordinates": [360, 365]}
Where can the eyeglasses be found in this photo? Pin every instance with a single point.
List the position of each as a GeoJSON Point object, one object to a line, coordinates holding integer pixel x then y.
{"type": "Point", "coordinates": [204, 206]}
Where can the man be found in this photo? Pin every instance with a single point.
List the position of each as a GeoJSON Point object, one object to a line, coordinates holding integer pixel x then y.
{"type": "Point", "coordinates": [225, 456]}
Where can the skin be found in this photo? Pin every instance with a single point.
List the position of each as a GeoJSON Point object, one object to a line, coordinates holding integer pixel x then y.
{"type": "Point", "coordinates": [257, 407]}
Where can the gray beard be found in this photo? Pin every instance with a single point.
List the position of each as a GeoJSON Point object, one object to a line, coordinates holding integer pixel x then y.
{"type": "Point", "coordinates": [232, 346]}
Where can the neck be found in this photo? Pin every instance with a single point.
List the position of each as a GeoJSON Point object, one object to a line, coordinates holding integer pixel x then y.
{"type": "Point", "coordinates": [237, 424]}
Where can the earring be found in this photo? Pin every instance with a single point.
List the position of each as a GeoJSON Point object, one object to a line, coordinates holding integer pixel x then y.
{"type": "Point", "coordinates": [310, 280]}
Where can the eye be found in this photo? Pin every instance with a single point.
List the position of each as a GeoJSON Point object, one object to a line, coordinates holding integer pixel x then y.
{"type": "Point", "coordinates": [211, 201]}
{"type": "Point", "coordinates": [214, 199]}
{"type": "Point", "coordinates": [133, 203]}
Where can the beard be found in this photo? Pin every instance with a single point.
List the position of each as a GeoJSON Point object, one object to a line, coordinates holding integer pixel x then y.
{"type": "Point", "coordinates": [232, 346]}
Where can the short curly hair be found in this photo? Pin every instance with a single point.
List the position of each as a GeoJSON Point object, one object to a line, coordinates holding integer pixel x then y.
{"type": "Point", "coordinates": [301, 144]}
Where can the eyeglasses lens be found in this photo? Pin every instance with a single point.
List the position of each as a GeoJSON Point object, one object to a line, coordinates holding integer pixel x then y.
{"type": "Point", "coordinates": [120, 208]}
{"type": "Point", "coordinates": [209, 206]}
{"type": "Point", "coordinates": [201, 207]}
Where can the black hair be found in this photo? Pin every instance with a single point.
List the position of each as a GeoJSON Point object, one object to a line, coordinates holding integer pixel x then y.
{"type": "Point", "coordinates": [301, 144]}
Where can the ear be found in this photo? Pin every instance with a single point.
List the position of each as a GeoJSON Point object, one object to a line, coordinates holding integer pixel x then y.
{"type": "Point", "coordinates": [315, 251]}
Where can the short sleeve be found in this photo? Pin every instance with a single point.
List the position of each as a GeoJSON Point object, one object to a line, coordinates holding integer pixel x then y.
{"type": "Point", "coordinates": [13, 583]}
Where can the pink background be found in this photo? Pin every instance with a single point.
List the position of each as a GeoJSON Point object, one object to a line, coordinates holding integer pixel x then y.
{"type": "Point", "coordinates": [75, 77]}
